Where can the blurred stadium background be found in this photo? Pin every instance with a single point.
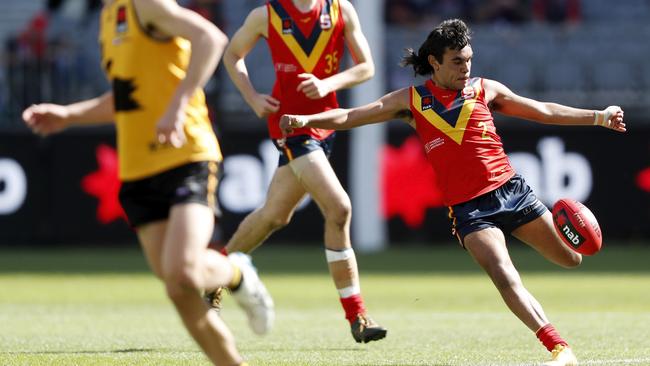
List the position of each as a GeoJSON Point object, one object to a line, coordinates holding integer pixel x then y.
{"type": "Point", "coordinates": [585, 53]}
{"type": "Point", "coordinates": [59, 214]}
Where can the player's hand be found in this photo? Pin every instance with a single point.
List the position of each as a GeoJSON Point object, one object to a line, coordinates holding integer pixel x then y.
{"type": "Point", "coordinates": [264, 104]}
{"type": "Point", "coordinates": [611, 117]}
{"type": "Point", "coordinates": [313, 87]}
{"type": "Point", "coordinates": [289, 121]}
{"type": "Point", "coordinates": [45, 119]}
{"type": "Point", "coordinates": [169, 129]}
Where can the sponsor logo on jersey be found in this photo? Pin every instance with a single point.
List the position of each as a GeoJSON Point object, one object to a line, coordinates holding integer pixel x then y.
{"type": "Point", "coordinates": [287, 26]}
{"type": "Point", "coordinates": [121, 23]}
{"type": "Point", "coordinates": [468, 93]}
{"type": "Point", "coordinates": [282, 67]}
{"type": "Point", "coordinates": [427, 102]}
{"type": "Point", "coordinates": [438, 141]}
{"type": "Point", "coordinates": [325, 21]}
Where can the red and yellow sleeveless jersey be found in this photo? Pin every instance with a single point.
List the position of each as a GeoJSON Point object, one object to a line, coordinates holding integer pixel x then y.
{"type": "Point", "coordinates": [144, 73]}
{"type": "Point", "coordinates": [310, 42]}
{"type": "Point", "coordinates": [457, 130]}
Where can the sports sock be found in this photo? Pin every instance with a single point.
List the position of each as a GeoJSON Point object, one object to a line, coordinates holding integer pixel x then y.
{"type": "Point", "coordinates": [350, 296]}
{"type": "Point", "coordinates": [549, 337]}
{"type": "Point", "coordinates": [223, 251]}
{"type": "Point", "coordinates": [236, 280]}
{"type": "Point", "coordinates": [353, 306]}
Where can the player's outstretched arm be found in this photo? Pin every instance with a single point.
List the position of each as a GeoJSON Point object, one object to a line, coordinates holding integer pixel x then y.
{"type": "Point", "coordinates": [240, 45]}
{"type": "Point", "coordinates": [507, 102]}
{"type": "Point", "coordinates": [390, 106]}
{"type": "Point", "coordinates": [46, 118]}
{"type": "Point", "coordinates": [363, 69]}
{"type": "Point", "coordinates": [207, 46]}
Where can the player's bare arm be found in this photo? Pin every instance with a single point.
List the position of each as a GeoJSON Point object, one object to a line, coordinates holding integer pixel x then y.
{"type": "Point", "coordinates": [46, 118]}
{"type": "Point", "coordinates": [505, 101]}
{"type": "Point", "coordinates": [208, 43]}
{"type": "Point", "coordinates": [357, 44]}
{"type": "Point", "coordinates": [390, 106]}
{"type": "Point", "coordinates": [254, 28]}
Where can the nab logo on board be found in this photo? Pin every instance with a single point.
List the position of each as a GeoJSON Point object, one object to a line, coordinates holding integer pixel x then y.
{"type": "Point", "coordinates": [556, 173]}
{"type": "Point", "coordinates": [13, 186]}
{"type": "Point", "coordinates": [247, 178]}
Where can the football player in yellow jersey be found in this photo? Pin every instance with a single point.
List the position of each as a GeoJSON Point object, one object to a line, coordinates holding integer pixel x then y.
{"type": "Point", "coordinates": [158, 56]}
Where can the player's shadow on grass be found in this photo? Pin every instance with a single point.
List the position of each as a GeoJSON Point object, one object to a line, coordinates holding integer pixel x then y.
{"type": "Point", "coordinates": [126, 350]}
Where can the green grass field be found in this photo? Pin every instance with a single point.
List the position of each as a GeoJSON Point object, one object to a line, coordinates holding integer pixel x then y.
{"type": "Point", "coordinates": [102, 307]}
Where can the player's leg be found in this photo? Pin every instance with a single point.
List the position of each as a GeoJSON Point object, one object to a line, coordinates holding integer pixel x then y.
{"type": "Point", "coordinates": [529, 220]}
{"type": "Point", "coordinates": [148, 216]}
{"type": "Point", "coordinates": [185, 266]}
{"type": "Point", "coordinates": [317, 176]}
{"type": "Point", "coordinates": [488, 248]}
{"type": "Point", "coordinates": [283, 196]}
{"type": "Point", "coordinates": [151, 237]}
{"type": "Point", "coordinates": [540, 234]}
{"type": "Point", "coordinates": [155, 206]}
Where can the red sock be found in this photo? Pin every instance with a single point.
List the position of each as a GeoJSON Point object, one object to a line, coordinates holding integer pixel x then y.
{"type": "Point", "coordinates": [223, 251]}
{"type": "Point", "coordinates": [353, 305]}
{"type": "Point", "coordinates": [550, 337]}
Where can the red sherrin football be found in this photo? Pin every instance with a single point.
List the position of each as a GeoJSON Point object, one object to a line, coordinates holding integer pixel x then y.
{"type": "Point", "coordinates": [577, 226]}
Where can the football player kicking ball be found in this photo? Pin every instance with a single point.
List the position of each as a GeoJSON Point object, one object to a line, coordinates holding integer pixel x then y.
{"type": "Point", "coordinates": [451, 113]}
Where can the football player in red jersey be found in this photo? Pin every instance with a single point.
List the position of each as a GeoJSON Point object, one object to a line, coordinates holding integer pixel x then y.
{"type": "Point", "coordinates": [306, 39]}
{"type": "Point", "coordinates": [452, 114]}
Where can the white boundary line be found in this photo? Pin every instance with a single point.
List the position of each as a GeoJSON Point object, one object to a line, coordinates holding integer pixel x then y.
{"type": "Point", "coordinates": [624, 361]}
{"type": "Point", "coordinates": [621, 361]}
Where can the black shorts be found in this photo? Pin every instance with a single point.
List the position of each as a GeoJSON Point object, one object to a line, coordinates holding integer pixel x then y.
{"type": "Point", "coordinates": [149, 199]}
{"type": "Point", "coordinates": [297, 146]}
{"type": "Point", "coordinates": [507, 208]}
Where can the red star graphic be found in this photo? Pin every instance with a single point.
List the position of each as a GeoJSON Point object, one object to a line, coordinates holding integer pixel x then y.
{"type": "Point", "coordinates": [105, 185]}
{"type": "Point", "coordinates": [643, 180]}
{"type": "Point", "coordinates": [408, 183]}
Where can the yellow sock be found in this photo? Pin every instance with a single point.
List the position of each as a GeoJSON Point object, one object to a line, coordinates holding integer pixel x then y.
{"type": "Point", "coordinates": [236, 280]}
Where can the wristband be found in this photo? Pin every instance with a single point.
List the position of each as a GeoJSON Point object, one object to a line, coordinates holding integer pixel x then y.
{"type": "Point", "coordinates": [601, 117]}
{"type": "Point", "coordinates": [299, 122]}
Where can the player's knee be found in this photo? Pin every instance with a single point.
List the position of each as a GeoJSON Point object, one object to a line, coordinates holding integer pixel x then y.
{"type": "Point", "coordinates": [339, 213]}
{"type": "Point", "coordinates": [181, 280]}
{"type": "Point", "coordinates": [274, 219]}
{"type": "Point", "coordinates": [572, 261]}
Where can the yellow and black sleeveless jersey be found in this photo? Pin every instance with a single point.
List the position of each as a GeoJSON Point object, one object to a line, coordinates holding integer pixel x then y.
{"type": "Point", "coordinates": [144, 72]}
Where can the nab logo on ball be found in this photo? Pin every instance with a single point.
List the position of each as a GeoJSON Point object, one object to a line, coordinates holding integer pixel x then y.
{"type": "Point", "coordinates": [577, 226]}
{"type": "Point", "coordinates": [567, 230]}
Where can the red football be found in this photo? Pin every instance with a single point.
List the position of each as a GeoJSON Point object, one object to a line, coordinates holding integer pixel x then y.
{"type": "Point", "coordinates": [577, 226]}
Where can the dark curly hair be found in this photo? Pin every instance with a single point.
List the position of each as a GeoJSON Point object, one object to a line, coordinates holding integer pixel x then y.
{"type": "Point", "coordinates": [452, 33]}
